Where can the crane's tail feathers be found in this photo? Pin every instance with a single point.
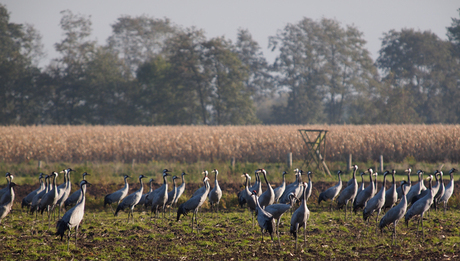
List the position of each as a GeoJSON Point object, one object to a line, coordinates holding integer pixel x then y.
{"type": "Point", "coordinates": [61, 227]}
{"type": "Point", "coordinates": [181, 211]}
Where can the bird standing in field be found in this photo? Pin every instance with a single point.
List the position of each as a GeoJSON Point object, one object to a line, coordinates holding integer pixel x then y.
{"type": "Point", "coordinates": [332, 192]}
{"type": "Point", "coordinates": [396, 213]}
{"type": "Point", "coordinates": [264, 219]}
{"type": "Point", "coordinates": [391, 196]}
{"type": "Point", "coordinates": [449, 190]}
{"type": "Point", "coordinates": [118, 195]}
{"type": "Point", "coordinates": [280, 190]}
{"type": "Point", "coordinates": [194, 203]}
{"type": "Point", "coordinates": [37, 198]}
{"type": "Point", "coordinates": [299, 219]}
{"type": "Point", "coordinates": [180, 190]}
{"type": "Point", "coordinates": [5, 208]}
{"type": "Point", "coordinates": [277, 211]}
{"type": "Point", "coordinates": [408, 185]}
{"type": "Point", "coordinates": [159, 196]}
{"type": "Point", "coordinates": [310, 185]}
{"type": "Point", "coordinates": [143, 202]}
{"type": "Point", "coordinates": [249, 198]}
{"type": "Point", "coordinates": [268, 196]}
{"type": "Point", "coordinates": [171, 194]}
{"type": "Point", "coordinates": [50, 199]}
{"type": "Point", "coordinates": [9, 178]}
{"type": "Point", "coordinates": [366, 194]}
{"type": "Point", "coordinates": [76, 196]}
{"type": "Point", "coordinates": [203, 188]}
{"type": "Point", "coordinates": [416, 188]}
{"type": "Point", "coordinates": [376, 203]}
{"type": "Point", "coordinates": [216, 193]}
{"type": "Point", "coordinates": [73, 217]}
{"type": "Point", "coordinates": [65, 192]}
{"type": "Point", "coordinates": [296, 188]}
{"type": "Point", "coordinates": [131, 200]}
{"type": "Point", "coordinates": [361, 187]}
{"type": "Point", "coordinates": [441, 190]}
{"type": "Point", "coordinates": [27, 200]}
{"type": "Point", "coordinates": [348, 194]}
{"type": "Point", "coordinates": [420, 207]}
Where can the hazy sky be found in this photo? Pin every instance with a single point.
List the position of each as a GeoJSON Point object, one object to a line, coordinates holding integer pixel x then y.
{"type": "Point", "coordinates": [261, 17]}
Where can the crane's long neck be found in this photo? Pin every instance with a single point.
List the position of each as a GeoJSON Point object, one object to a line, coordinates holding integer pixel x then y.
{"type": "Point", "coordinates": [183, 181]}
{"type": "Point", "coordinates": [384, 182]}
{"type": "Point", "coordinates": [126, 183]}
{"type": "Point", "coordinates": [247, 185]}
{"type": "Point", "coordinates": [151, 185]}
{"type": "Point", "coordinates": [354, 173]}
{"type": "Point", "coordinates": [284, 180]}
{"type": "Point", "coordinates": [174, 183]}
{"type": "Point", "coordinates": [83, 195]}
{"type": "Point", "coordinates": [215, 180]}
{"type": "Point", "coordinates": [266, 181]}
{"type": "Point", "coordinates": [141, 189]}
{"type": "Point", "coordinates": [340, 178]}
{"type": "Point", "coordinates": [54, 182]}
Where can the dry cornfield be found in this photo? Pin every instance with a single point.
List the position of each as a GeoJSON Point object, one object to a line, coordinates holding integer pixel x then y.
{"type": "Point", "coordinates": [259, 143]}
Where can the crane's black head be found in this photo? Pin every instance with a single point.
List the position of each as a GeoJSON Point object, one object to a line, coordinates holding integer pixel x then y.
{"type": "Point", "coordinates": [183, 173]}
{"type": "Point", "coordinates": [85, 182]}
{"type": "Point", "coordinates": [165, 170]}
{"type": "Point", "coordinates": [125, 176]}
{"type": "Point", "coordinates": [7, 174]}
{"type": "Point", "coordinates": [142, 176]}
{"type": "Point", "coordinates": [174, 177]}
{"type": "Point", "coordinates": [284, 172]}
{"type": "Point", "coordinates": [339, 172]}
{"type": "Point", "coordinates": [85, 174]}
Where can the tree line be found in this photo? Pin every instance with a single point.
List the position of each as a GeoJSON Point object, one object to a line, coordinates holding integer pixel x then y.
{"type": "Point", "coordinates": [153, 72]}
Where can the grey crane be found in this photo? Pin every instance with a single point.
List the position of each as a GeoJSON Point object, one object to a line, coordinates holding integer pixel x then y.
{"type": "Point", "coordinates": [295, 188]}
{"type": "Point", "coordinates": [50, 199]}
{"type": "Point", "coordinates": [131, 200]}
{"type": "Point", "coordinates": [9, 178]}
{"type": "Point", "coordinates": [64, 194]}
{"type": "Point", "coordinates": [171, 194]}
{"type": "Point", "coordinates": [37, 198]}
{"type": "Point", "coordinates": [277, 210]}
{"type": "Point", "coordinates": [396, 213]}
{"type": "Point", "coordinates": [376, 203]}
{"type": "Point", "coordinates": [296, 181]}
{"type": "Point", "coordinates": [203, 188]}
{"type": "Point", "coordinates": [258, 184]}
{"type": "Point", "coordinates": [194, 203]}
{"type": "Point", "coordinates": [180, 190]}
{"type": "Point", "coordinates": [268, 197]}
{"type": "Point", "coordinates": [280, 190]}
{"type": "Point", "coordinates": [216, 193]}
{"type": "Point", "coordinates": [242, 194]}
{"type": "Point", "coordinates": [143, 201]}
{"type": "Point", "coordinates": [249, 199]}
{"type": "Point", "coordinates": [159, 196]}
{"type": "Point", "coordinates": [434, 189]}
{"type": "Point", "coordinates": [408, 185]}
{"type": "Point", "coordinates": [309, 186]}
{"type": "Point", "coordinates": [299, 219]}
{"type": "Point", "coordinates": [348, 194]}
{"type": "Point", "coordinates": [420, 207]}
{"type": "Point", "coordinates": [6, 207]}
{"type": "Point", "coordinates": [391, 196]}
{"type": "Point", "coordinates": [27, 200]}
{"type": "Point", "coordinates": [416, 188]}
{"type": "Point", "coordinates": [366, 194]}
{"type": "Point", "coordinates": [73, 217]}
{"type": "Point", "coordinates": [264, 219]}
{"type": "Point", "coordinates": [361, 187]}
{"type": "Point", "coordinates": [76, 196]}
{"type": "Point", "coordinates": [375, 183]}
{"type": "Point", "coordinates": [332, 192]}
{"type": "Point", "coordinates": [118, 195]}
{"type": "Point", "coordinates": [449, 190]}
{"type": "Point", "coordinates": [440, 193]}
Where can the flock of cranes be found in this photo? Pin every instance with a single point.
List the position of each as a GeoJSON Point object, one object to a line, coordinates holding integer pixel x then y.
{"type": "Point", "coordinates": [407, 200]}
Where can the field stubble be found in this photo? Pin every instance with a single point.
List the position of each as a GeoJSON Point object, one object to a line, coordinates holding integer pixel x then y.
{"type": "Point", "coordinates": [227, 237]}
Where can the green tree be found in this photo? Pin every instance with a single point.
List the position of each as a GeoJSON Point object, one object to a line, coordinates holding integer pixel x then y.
{"type": "Point", "coordinates": [326, 70]}
{"type": "Point", "coordinates": [138, 39]}
{"type": "Point", "coordinates": [420, 72]}
{"type": "Point", "coordinates": [20, 46]}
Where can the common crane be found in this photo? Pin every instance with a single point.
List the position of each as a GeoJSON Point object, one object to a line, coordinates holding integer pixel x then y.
{"type": "Point", "coordinates": [50, 199]}
{"type": "Point", "coordinates": [76, 196]}
{"type": "Point", "coordinates": [216, 193]}
{"type": "Point", "coordinates": [408, 185]}
{"type": "Point", "coordinates": [131, 200]}
{"type": "Point", "coordinates": [295, 188]}
{"type": "Point", "coordinates": [277, 210]}
{"type": "Point", "coordinates": [416, 188]}
{"type": "Point", "coordinates": [440, 193]}
{"type": "Point", "coordinates": [6, 207]}
{"type": "Point", "coordinates": [118, 195]}
{"type": "Point", "coordinates": [449, 190]}
{"type": "Point", "coordinates": [299, 219]}
{"type": "Point", "coordinates": [396, 213]}
{"type": "Point", "coordinates": [264, 219]}
{"type": "Point", "coordinates": [9, 178]}
{"type": "Point", "coordinates": [268, 197]}
{"type": "Point", "coordinates": [420, 207]}
{"type": "Point", "coordinates": [142, 201]}
{"type": "Point", "coordinates": [171, 194]}
{"type": "Point", "coordinates": [361, 187]}
{"type": "Point", "coordinates": [27, 200]}
{"type": "Point", "coordinates": [366, 194]}
{"type": "Point", "coordinates": [65, 192]}
{"type": "Point", "coordinates": [73, 217]}
{"type": "Point", "coordinates": [280, 190]}
{"type": "Point", "coordinates": [348, 194]}
{"type": "Point", "coordinates": [203, 188]}
{"type": "Point", "coordinates": [159, 196]}
{"type": "Point", "coordinates": [332, 192]}
{"type": "Point", "coordinates": [194, 203]}
{"type": "Point", "coordinates": [249, 199]}
{"type": "Point", "coordinates": [391, 196]}
{"type": "Point", "coordinates": [180, 190]}
{"type": "Point", "coordinates": [376, 203]}
{"type": "Point", "coordinates": [37, 198]}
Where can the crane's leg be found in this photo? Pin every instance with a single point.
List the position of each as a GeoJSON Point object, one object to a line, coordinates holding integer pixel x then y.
{"type": "Point", "coordinates": [296, 235]}
{"type": "Point", "coordinates": [346, 206]}
{"type": "Point", "coordinates": [76, 232]}
{"type": "Point", "coordinates": [421, 221]}
{"type": "Point", "coordinates": [68, 240]}
{"type": "Point", "coordinates": [305, 234]}
{"type": "Point", "coordinates": [262, 234]}
{"type": "Point", "coordinates": [445, 207]}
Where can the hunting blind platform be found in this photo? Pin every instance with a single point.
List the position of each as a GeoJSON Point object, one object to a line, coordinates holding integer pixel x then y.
{"type": "Point", "coordinates": [315, 148]}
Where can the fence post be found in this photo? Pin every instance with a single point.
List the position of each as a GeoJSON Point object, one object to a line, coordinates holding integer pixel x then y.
{"type": "Point", "coordinates": [381, 164]}
{"type": "Point", "coordinates": [233, 163]}
{"type": "Point", "coordinates": [39, 164]}
{"type": "Point", "coordinates": [132, 164]}
{"type": "Point", "coordinates": [289, 160]}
